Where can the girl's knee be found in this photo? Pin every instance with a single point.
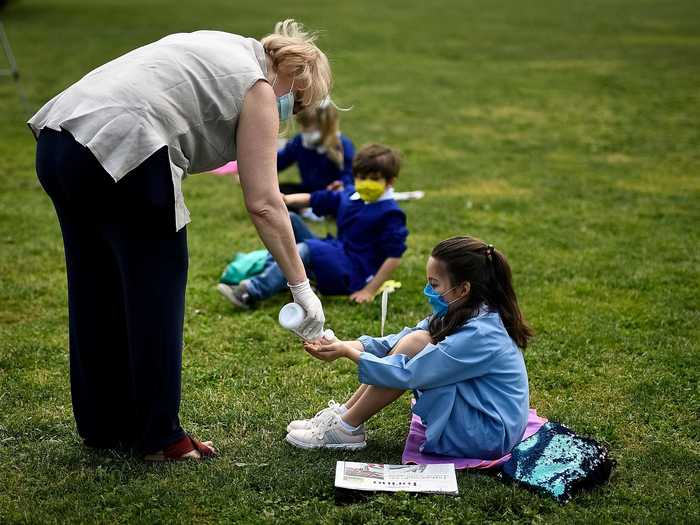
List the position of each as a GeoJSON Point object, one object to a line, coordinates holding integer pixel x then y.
{"type": "Point", "coordinates": [420, 337]}
{"type": "Point", "coordinates": [413, 343]}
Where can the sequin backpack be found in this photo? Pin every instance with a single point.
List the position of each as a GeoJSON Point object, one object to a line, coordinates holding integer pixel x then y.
{"type": "Point", "coordinates": [558, 462]}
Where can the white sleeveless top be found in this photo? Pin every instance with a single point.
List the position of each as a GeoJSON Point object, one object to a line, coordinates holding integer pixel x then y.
{"type": "Point", "coordinates": [184, 91]}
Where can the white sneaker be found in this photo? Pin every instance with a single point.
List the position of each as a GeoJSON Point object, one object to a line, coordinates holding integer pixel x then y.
{"type": "Point", "coordinates": [328, 432]}
{"type": "Point", "coordinates": [305, 424]}
{"type": "Point", "coordinates": [310, 215]}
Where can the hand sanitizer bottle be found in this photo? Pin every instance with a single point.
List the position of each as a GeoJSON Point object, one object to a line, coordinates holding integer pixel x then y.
{"type": "Point", "coordinates": [292, 316]}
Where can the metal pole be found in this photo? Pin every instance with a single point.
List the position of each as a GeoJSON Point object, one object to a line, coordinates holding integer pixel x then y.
{"type": "Point", "coordinates": [13, 71]}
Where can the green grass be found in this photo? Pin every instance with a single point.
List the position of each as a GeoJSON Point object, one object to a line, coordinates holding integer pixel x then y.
{"type": "Point", "coordinates": [565, 133]}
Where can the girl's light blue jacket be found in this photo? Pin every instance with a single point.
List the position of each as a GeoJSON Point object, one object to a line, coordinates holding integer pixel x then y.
{"type": "Point", "coordinates": [471, 387]}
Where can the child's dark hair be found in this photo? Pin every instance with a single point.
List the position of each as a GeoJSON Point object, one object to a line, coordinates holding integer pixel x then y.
{"type": "Point", "coordinates": [377, 158]}
{"type": "Point", "coordinates": [471, 260]}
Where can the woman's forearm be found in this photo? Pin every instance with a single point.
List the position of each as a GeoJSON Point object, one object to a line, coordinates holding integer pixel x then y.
{"type": "Point", "coordinates": [257, 167]}
{"type": "Point", "coordinates": [275, 230]}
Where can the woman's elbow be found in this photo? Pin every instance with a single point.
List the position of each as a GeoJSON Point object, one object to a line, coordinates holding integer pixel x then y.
{"type": "Point", "coordinates": [258, 211]}
{"type": "Point", "coordinates": [264, 208]}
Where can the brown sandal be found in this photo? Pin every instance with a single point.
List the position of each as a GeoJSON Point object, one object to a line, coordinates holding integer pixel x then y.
{"type": "Point", "coordinates": [176, 451]}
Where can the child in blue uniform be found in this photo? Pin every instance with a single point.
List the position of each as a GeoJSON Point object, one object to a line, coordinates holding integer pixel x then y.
{"type": "Point", "coordinates": [371, 236]}
{"type": "Point", "coordinates": [463, 363]}
{"type": "Point", "coordinates": [323, 154]}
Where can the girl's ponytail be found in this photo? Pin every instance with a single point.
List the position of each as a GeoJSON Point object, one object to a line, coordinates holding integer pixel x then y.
{"type": "Point", "coordinates": [329, 127]}
{"type": "Point", "coordinates": [505, 299]}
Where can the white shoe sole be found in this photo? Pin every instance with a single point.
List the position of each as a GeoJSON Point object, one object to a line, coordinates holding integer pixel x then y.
{"type": "Point", "coordinates": [335, 446]}
{"type": "Point", "coordinates": [226, 291]}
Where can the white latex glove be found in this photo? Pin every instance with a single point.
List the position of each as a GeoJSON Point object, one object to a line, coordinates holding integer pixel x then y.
{"type": "Point", "coordinates": [304, 296]}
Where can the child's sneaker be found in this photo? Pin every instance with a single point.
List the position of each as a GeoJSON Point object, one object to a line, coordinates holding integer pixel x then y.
{"type": "Point", "coordinates": [237, 295]}
{"type": "Point", "coordinates": [304, 424]}
{"type": "Point", "coordinates": [328, 432]}
{"type": "Point", "coordinates": [308, 214]}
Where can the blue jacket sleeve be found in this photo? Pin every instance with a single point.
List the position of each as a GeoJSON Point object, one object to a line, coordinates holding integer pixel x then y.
{"type": "Point", "coordinates": [324, 202]}
{"type": "Point", "coordinates": [288, 154]}
{"type": "Point", "coordinates": [348, 155]}
{"type": "Point", "coordinates": [392, 240]}
{"type": "Point", "coordinates": [380, 346]}
{"type": "Point", "coordinates": [463, 355]}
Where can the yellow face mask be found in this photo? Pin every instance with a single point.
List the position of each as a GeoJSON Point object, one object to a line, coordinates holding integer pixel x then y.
{"type": "Point", "coordinates": [370, 190]}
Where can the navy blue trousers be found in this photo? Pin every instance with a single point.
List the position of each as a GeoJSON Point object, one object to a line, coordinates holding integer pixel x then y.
{"type": "Point", "coordinates": [127, 273]}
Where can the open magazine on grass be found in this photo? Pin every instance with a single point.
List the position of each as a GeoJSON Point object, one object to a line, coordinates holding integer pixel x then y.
{"type": "Point", "coordinates": [433, 479]}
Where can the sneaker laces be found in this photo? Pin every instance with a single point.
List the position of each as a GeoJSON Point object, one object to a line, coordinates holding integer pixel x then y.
{"type": "Point", "coordinates": [332, 406]}
{"type": "Point", "coordinates": [324, 424]}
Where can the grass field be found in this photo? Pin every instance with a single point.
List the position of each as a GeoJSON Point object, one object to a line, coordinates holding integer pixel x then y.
{"type": "Point", "coordinates": [565, 133]}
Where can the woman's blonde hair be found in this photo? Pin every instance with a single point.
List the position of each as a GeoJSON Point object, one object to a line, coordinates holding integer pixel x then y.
{"type": "Point", "coordinates": [293, 51]}
{"type": "Point", "coordinates": [325, 116]}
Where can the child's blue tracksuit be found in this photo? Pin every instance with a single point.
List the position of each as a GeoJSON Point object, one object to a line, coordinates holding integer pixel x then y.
{"type": "Point", "coordinates": [316, 169]}
{"type": "Point", "coordinates": [368, 234]}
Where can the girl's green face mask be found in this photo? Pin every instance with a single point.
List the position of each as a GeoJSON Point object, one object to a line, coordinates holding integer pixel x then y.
{"type": "Point", "coordinates": [370, 190]}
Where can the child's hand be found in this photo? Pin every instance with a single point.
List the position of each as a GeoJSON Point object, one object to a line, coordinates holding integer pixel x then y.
{"type": "Point", "coordinates": [325, 341]}
{"type": "Point", "coordinates": [362, 296]}
{"type": "Point", "coordinates": [336, 185]}
{"type": "Point", "coordinates": [326, 352]}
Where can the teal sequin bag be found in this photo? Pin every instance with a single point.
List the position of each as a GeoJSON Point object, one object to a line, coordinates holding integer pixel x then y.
{"type": "Point", "coordinates": [558, 462]}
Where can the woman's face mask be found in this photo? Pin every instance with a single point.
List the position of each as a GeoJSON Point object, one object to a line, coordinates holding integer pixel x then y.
{"type": "Point", "coordinates": [370, 190]}
{"type": "Point", "coordinates": [285, 106]}
{"type": "Point", "coordinates": [285, 103]}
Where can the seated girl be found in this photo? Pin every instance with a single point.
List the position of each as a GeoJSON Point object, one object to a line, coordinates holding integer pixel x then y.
{"type": "Point", "coordinates": [462, 363]}
{"type": "Point", "coordinates": [371, 236]}
{"type": "Point", "coordinates": [322, 154]}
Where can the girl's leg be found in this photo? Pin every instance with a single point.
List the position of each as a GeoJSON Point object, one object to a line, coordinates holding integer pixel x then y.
{"type": "Point", "coordinates": [409, 345]}
{"type": "Point", "coordinates": [370, 399]}
{"type": "Point", "coordinates": [373, 399]}
{"type": "Point", "coordinates": [355, 396]}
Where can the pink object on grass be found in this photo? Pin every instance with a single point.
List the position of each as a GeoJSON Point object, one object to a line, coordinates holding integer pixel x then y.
{"type": "Point", "coordinates": [416, 437]}
{"type": "Point", "coordinates": [226, 169]}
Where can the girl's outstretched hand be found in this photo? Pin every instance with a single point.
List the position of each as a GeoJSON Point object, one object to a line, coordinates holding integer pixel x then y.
{"type": "Point", "coordinates": [326, 352]}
